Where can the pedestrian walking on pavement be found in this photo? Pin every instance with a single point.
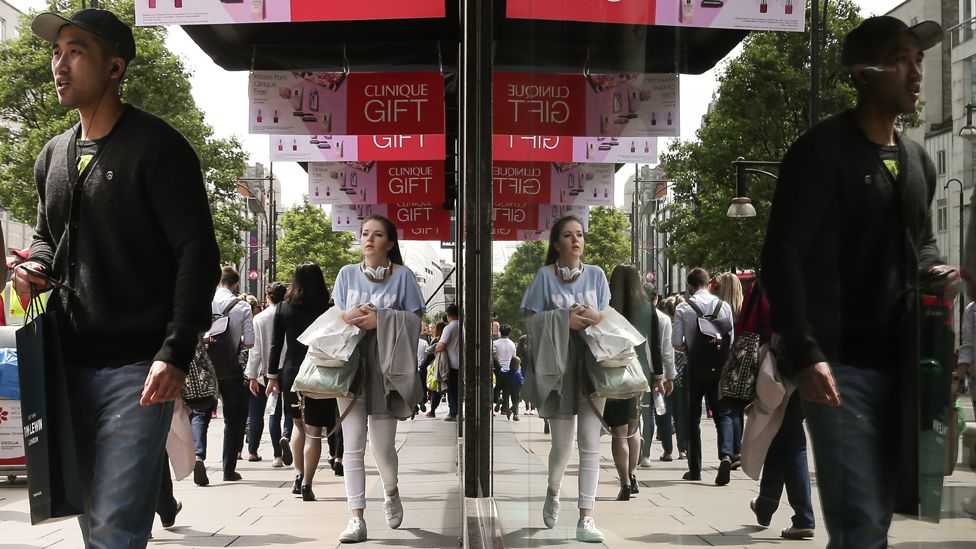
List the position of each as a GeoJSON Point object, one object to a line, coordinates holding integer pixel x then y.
{"type": "Point", "coordinates": [256, 374]}
{"type": "Point", "coordinates": [307, 299]}
{"type": "Point", "coordinates": [380, 281]}
{"type": "Point", "coordinates": [450, 342]}
{"type": "Point", "coordinates": [566, 283]}
{"type": "Point", "coordinates": [663, 350]}
{"type": "Point", "coordinates": [849, 247]}
{"type": "Point", "coordinates": [124, 222]}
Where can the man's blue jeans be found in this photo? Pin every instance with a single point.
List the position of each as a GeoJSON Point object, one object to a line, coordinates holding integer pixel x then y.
{"type": "Point", "coordinates": [786, 465]}
{"type": "Point", "coordinates": [853, 445]}
{"type": "Point", "coordinates": [720, 415]}
{"type": "Point", "coordinates": [233, 395]}
{"type": "Point", "coordinates": [649, 419]}
{"type": "Point", "coordinates": [255, 418]}
{"type": "Point", "coordinates": [119, 442]}
{"type": "Point", "coordinates": [274, 428]}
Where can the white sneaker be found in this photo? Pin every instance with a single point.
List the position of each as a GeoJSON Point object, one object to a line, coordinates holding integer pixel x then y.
{"type": "Point", "coordinates": [550, 511]}
{"type": "Point", "coordinates": [587, 531]}
{"type": "Point", "coordinates": [355, 531]}
{"type": "Point", "coordinates": [644, 463]}
{"type": "Point", "coordinates": [278, 462]}
{"type": "Point", "coordinates": [969, 505]}
{"type": "Point", "coordinates": [393, 510]}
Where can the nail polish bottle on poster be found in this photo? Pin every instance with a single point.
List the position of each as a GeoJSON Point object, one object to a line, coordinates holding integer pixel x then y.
{"type": "Point", "coordinates": [633, 146]}
{"type": "Point", "coordinates": [279, 145]}
{"type": "Point", "coordinates": [152, 4]}
{"type": "Point", "coordinates": [294, 144]}
{"type": "Point", "coordinates": [763, 7]}
{"type": "Point", "coordinates": [594, 192]}
{"type": "Point", "coordinates": [259, 116]}
{"type": "Point", "coordinates": [328, 191]}
{"type": "Point", "coordinates": [789, 7]}
{"type": "Point", "coordinates": [647, 147]}
{"type": "Point", "coordinates": [669, 118]}
{"type": "Point", "coordinates": [313, 101]}
{"type": "Point", "coordinates": [654, 119]}
{"type": "Point", "coordinates": [257, 10]}
{"type": "Point", "coordinates": [606, 193]}
{"type": "Point", "coordinates": [316, 191]}
{"type": "Point", "coordinates": [616, 102]}
{"type": "Point", "coordinates": [275, 116]}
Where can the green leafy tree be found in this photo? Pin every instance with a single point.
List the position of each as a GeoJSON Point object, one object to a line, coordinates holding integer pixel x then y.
{"type": "Point", "coordinates": [608, 238]}
{"type": "Point", "coordinates": [510, 284]}
{"type": "Point", "coordinates": [308, 236]}
{"type": "Point", "coordinates": [762, 106]}
{"type": "Point", "coordinates": [157, 81]}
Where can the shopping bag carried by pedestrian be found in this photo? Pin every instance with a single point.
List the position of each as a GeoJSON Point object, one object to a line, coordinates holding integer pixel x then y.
{"type": "Point", "coordinates": [200, 387]}
{"type": "Point", "coordinates": [738, 382]}
{"type": "Point", "coordinates": [54, 488]}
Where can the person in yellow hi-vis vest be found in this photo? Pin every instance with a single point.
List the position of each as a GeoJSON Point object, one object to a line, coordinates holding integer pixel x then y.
{"type": "Point", "coordinates": [14, 309]}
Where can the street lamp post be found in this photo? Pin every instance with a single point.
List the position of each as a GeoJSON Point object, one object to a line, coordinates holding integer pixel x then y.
{"type": "Point", "coordinates": [962, 299]}
{"type": "Point", "coordinates": [741, 204]}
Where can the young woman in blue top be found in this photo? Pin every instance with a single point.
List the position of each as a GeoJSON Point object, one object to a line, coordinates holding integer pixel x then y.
{"type": "Point", "coordinates": [380, 281]}
{"type": "Point", "coordinates": [565, 281]}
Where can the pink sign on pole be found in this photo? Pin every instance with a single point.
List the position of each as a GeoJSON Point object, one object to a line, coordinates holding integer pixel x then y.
{"type": "Point", "coordinates": [375, 182]}
{"type": "Point", "coordinates": [552, 183]}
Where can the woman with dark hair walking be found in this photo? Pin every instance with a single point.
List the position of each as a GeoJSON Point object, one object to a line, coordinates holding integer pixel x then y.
{"type": "Point", "coordinates": [362, 291]}
{"type": "Point", "coordinates": [566, 283]}
{"type": "Point", "coordinates": [306, 299]}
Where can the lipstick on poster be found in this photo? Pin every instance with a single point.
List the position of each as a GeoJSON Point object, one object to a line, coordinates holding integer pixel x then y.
{"type": "Point", "coordinates": [686, 11]}
{"type": "Point", "coordinates": [313, 101]}
{"type": "Point", "coordinates": [257, 10]}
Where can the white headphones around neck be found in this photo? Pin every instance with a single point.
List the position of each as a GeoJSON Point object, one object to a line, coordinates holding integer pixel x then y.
{"type": "Point", "coordinates": [569, 274]}
{"type": "Point", "coordinates": [376, 274]}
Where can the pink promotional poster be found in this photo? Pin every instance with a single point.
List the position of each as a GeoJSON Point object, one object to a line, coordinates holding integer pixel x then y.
{"type": "Point", "coordinates": [552, 183]}
{"type": "Point", "coordinates": [531, 222]}
{"type": "Point", "coordinates": [769, 15]}
{"type": "Point", "coordinates": [338, 148]}
{"type": "Point", "coordinates": [638, 105]}
{"type": "Point", "coordinates": [553, 148]}
{"type": "Point", "coordinates": [326, 103]}
{"type": "Point", "coordinates": [219, 12]}
{"type": "Point", "coordinates": [376, 182]}
{"type": "Point", "coordinates": [414, 221]}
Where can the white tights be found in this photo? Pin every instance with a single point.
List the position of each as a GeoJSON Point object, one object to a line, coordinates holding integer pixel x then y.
{"type": "Point", "coordinates": [588, 435]}
{"type": "Point", "coordinates": [382, 443]}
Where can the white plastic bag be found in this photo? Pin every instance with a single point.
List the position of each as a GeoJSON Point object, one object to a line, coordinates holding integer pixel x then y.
{"type": "Point", "coordinates": [330, 340]}
{"type": "Point", "coordinates": [613, 339]}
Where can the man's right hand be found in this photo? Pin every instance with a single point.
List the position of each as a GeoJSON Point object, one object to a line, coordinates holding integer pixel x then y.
{"type": "Point", "coordinates": [816, 384]}
{"type": "Point", "coordinates": [23, 280]}
{"type": "Point", "coordinates": [272, 387]}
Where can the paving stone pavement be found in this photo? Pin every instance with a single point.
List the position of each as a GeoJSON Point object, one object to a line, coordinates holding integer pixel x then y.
{"type": "Point", "coordinates": [260, 511]}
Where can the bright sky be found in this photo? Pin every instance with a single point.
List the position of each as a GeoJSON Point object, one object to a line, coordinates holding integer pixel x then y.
{"type": "Point", "coordinates": [222, 96]}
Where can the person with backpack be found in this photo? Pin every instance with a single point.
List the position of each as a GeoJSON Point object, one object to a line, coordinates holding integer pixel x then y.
{"type": "Point", "coordinates": [703, 330]}
{"type": "Point", "coordinates": [231, 331]}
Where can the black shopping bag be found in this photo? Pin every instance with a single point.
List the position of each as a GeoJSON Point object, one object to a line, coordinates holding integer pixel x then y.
{"type": "Point", "coordinates": [52, 459]}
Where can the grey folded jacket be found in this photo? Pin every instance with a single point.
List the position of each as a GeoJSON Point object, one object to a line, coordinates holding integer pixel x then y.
{"type": "Point", "coordinates": [552, 384]}
{"type": "Point", "coordinates": [392, 385]}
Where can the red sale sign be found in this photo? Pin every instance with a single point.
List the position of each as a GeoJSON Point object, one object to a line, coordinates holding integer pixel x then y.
{"type": "Point", "coordinates": [538, 104]}
{"type": "Point", "coordinates": [410, 182]}
{"type": "Point", "coordinates": [395, 103]}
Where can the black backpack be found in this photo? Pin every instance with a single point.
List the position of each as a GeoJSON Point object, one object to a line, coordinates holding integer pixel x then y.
{"type": "Point", "coordinates": [710, 349]}
{"type": "Point", "coordinates": [223, 351]}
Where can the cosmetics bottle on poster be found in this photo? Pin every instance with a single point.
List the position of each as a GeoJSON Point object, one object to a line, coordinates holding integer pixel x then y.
{"type": "Point", "coordinates": [686, 11]}
{"type": "Point", "coordinates": [604, 124]}
{"type": "Point", "coordinates": [362, 194]}
{"type": "Point", "coordinates": [275, 116]}
{"type": "Point", "coordinates": [633, 146]}
{"type": "Point", "coordinates": [327, 121]}
{"type": "Point", "coordinates": [789, 7]}
{"type": "Point", "coordinates": [763, 7]}
{"type": "Point", "coordinates": [316, 191]}
{"type": "Point", "coordinates": [589, 151]}
{"type": "Point", "coordinates": [178, 3]}
{"type": "Point", "coordinates": [257, 10]}
{"type": "Point", "coordinates": [259, 116]}
{"type": "Point", "coordinates": [669, 118]}
{"type": "Point", "coordinates": [152, 4]}
{"type": "Point", "coordinates": [654, 119]}
{"type": "Point", "coordinates": [571, 182]}
{"type": "Point", "coordinates": [297, 96]}
{"type": "Point", "coordinates": [339, 148]}
{"type": "Point", "coordinates": [294, 144]}
{"type": "Point", "coordinates": [616, 102]}
{"type": "Point", "coordinates": [313, 101]}
{"type": "Point", "coordinates": [562, 195]}
{"type": "Point", "coordinates": [594, 192]}
{"type": "Point", "coordinates": [355, 181]}
{"type": "Point", "coordinates": [647, 147]}
{"type": "Point", "coordinates": [279, 145]}
{"type": "Point", "coordinates": [633, 101]}
{"type": "Point", "coordinates": [328, 191]}
{"type": "Point", "coordinates": [606, 193]}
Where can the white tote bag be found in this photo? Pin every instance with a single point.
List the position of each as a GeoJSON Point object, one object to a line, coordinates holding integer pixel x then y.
{"type": "Point", "coordinates": [330, 340]}
{"type": "Point", "coordinates": [613, 339]}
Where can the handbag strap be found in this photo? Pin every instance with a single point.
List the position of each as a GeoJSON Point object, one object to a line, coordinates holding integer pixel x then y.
{"type": "Point", "coordinates": [588, 388]}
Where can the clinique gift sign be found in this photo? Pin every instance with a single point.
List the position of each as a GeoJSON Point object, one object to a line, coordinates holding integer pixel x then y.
{"type": "Point", "coordinates": [772, 15]}
{"type": "Point", "coordinates": [326, 103]}
{"type": "Point", "coordinates": [216, 12]}
{"type": "Point", "coordinates": [619, 106]}
{"type": "Point", "coordinates": [376, 182]}
{"type": "Point", "coordinates": [552, 183]}
{"type": "Point", "coordinates": [424, 221]}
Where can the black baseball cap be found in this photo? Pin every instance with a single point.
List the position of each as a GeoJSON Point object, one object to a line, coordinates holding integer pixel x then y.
{"type": "Point", "coordinates": [864, 43]}
{"type": "Point", "coordinates": [102, 23]}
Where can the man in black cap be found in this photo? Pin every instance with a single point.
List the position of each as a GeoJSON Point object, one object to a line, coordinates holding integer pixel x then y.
{"type": "Point", "coordinates": [849, 239]}
{"type": "Point", "coordinates": [124, 225]}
